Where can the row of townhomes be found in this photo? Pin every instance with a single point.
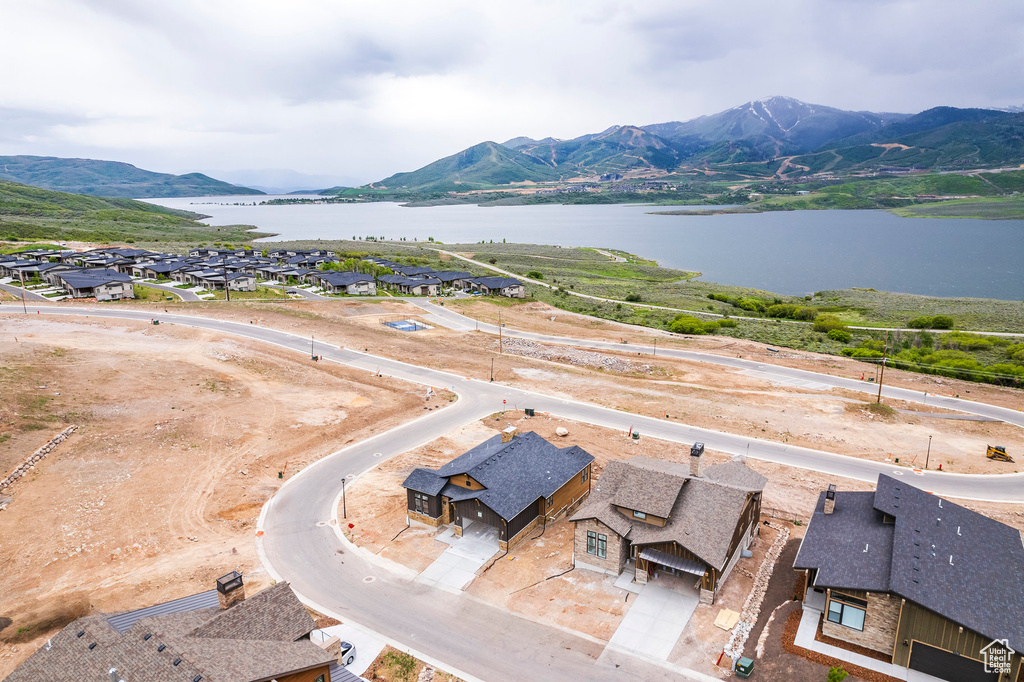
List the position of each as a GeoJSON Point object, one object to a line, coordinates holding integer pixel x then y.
{"type": "Point", "coordinates": [107, 273]}
{"type": "Point", "coordinates": [920, 581]}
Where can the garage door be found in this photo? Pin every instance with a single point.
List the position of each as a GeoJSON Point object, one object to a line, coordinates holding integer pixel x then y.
{"type": "Point", "coordinates": [948, 666]}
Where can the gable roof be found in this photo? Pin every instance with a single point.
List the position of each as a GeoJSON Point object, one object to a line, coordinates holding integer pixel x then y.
{"type": "Point", "coordinates": [340, 279]}
{"type": "Point", "coordinates": [497, 282]}
{"type": "Point", "coordinates": [424, 481]}
{"type": "Point", "coordinates": [946, 558]}
{"type": "Point", "coordinates": [251, 644]}
{"type": "Point", "coordinates": [702, 513]}
{"type": "Point", "coordinates": [514, 474]}
{"type": "Point", "coordinates": [92, 277]}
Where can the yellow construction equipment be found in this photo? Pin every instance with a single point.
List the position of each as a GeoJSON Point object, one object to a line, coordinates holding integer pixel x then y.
{"type": "Point", "coordinates": [998, 453]}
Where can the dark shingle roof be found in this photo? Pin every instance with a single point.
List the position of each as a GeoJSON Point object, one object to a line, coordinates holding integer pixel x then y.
{"type": "Point", "coordinates": [424, 481]}
{"type": "Point", "coordinates": [450, 275]}
{"type": "Point", "coordinates": [515, 474]}
{"type": "Point", "coordinates": [273, 614]}
{"type": "Point", "coordinates": [953, 561]}
{"type": "Point", "coordinates": [497, 282]}
{"type": "Point", "coordinates": [344, 279]}
{"type": "Point", "coordinates": [84, 279]}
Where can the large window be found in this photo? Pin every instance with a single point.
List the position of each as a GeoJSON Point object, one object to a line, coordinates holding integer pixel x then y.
{"type": "Point", "coordinates": [597, 544]}
{"type": "Point", "coordinates": [639, 515]}
{"type": "Point", "coordinates": [421, 503]}
{"type": "Point", "coordinates": [847, 611]}
{"type": "Point", "coordinates": [584, 476]}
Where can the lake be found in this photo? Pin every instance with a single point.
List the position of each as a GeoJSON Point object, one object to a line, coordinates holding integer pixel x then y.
{"type": "Point", "coordinates": [793, 252]}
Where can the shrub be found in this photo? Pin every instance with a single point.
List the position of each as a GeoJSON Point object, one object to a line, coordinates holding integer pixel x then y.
{"type": "Point", "coordinates": [687, 324]}
{"type": "Point", "coordinates": [861, 353]}
{"type": "Point", "coordinates": [535, 274]}
{"type": "Point", "coordinates": [634, 297]}
{"type": "Point", "coordinates": [826, 323]}
{"type": "Point", "coordinates": [942, 322]}
{"type": "Point", "coordinates": [872, 344]}
{"type": "Point", "coordinates": [924, 322]}
{"type": "Point", "coordinates": [962, 341]}
{"type": "Point", "coordinates": [840, 335]}
{"type": "Point", "coordinates": [728, 322]}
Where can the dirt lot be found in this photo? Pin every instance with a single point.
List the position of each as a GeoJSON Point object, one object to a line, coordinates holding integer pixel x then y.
{"type": "Point", "coordinates": [181, 437]}
{"type": "Point", "coordinates": [218, 417]}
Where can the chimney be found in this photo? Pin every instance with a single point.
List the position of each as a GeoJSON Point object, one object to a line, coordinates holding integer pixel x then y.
{"type": "Point", "coordinates": [830, 498]}
{"type": "Point", "coordinates": [508, 434]}
{"type": "Point", "coordinates": [696, 460]}
{"type": "Point", "coordinates": [230, 589]}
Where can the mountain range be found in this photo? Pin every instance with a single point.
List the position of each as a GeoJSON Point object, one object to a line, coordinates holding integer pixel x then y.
{"type": "Point", "coordinates": [110, 178]}
{"type": "Point", "coordinates": [777, 136]}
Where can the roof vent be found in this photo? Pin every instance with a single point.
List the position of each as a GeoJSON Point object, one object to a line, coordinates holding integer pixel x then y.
{"type": "Point", "coordinates": [92, 646]}
{"type": "Point", "coordinates": [146, 638]}
{"type": "Point", "coordinates": [81, 633]}
{"type": "Point", "coordinates": [176, 661]}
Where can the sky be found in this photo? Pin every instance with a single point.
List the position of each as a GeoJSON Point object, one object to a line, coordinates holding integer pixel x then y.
{"type": "Point", "coordinates": [338, 92]}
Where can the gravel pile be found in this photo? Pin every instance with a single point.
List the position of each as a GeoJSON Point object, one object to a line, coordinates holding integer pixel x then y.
{"type": "Point", "coordinates": [572, 356]}
{"type": "Point", "coordinates": [752, 607]}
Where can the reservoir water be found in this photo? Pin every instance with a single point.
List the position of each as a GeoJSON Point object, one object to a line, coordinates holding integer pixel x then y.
{"type": "Point", "coordinates": [793, 252]}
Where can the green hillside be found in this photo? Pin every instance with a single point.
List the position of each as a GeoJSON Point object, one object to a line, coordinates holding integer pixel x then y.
{"type": "Point", "coordinates": [484, 165]}
{"type": "Point", "coordinates": [110, 178]}
{"type": "Point", "coordinates": [31, 213]}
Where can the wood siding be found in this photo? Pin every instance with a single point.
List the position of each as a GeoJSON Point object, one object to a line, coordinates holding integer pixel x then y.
{"type": "Point", "coordinates": [707, 582]}
{"type": "Point", "coordinates": [466, 481]}
{"type": "Point", "coordinates": [880, 621]}
{"type": "Point", "coordinates": [307, 675]}
{"type": "Point", "coordinates": [522, 520]}
{"type": "Point", "coordinates": [569, 495]}
{"type": "Point", "coordinates": [919, 624]}
{"type": "Point", "coordinates": [751, 513]}
{"type": "Point", "coordinates": [650, 518]}
{"type": "Point", "coordinates": [475, 510]}
{"type": "Point", "coordinates": [433, 503]}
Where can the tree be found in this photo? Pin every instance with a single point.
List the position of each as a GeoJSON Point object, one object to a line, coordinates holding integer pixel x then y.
{"type": "Point", "coordinates": [836, 675]}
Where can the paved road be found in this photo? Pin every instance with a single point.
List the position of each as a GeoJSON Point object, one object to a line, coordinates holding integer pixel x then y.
{"type": "Point", "coordinates": [183, 294]}
{"type": "Point", "coordinates": [467, 634]}
{"type": "Point", "coordinates": [770, 371]}
{"type": "Point", "coordinates": [29, 295]}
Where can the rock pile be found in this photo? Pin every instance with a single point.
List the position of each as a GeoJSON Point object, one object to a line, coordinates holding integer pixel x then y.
{"type": "Point", "coordinates": [31, 462]}
{"type": "Point", "coordinates": [752, 607]}
{"type": "Point", "coordinates": [572, 356]}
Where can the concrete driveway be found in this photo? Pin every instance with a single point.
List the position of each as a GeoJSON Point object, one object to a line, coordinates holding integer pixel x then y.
{"type": "Point", "coordinates": [456, 568]}
{"type": "Point", "coordinates": [367, 643]}
{"type": "Point", "coordinates": [656, 619]}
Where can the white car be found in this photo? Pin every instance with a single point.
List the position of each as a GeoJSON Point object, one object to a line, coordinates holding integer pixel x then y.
{"type": "Point", "coordinates": [348, 653]}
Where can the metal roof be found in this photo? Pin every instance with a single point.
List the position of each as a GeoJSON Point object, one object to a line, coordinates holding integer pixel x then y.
{"type": "Point", "coordinates": [672, 561]}
{"type": "Point", "coordinates": [203, 600]}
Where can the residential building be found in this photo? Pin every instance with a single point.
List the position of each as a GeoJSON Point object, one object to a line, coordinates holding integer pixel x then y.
{"type": "Point", "coordinates": [928, 584]}
{"type": "Point", "coordinates": [99, 283]}
{"type": "Point", "coordinates": [352, 283]}
{"type": "Point", "coordinates": [499, 286]}
{"type": "Point", "coordinates": [213, 636]}
{"type": "Point", "coordinates": [512, 482]}
{"type": "Point", "coordinates": [668, 518]}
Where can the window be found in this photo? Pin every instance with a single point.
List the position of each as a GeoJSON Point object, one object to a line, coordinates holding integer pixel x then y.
{"type": "Point", "coordinates": [849, 612]}
{"type": "Point", "coordinates": [551, 501]}
{"type": "Point", "coordinates": [319, 678]}
{"type": "Point", "coordinates": [639, 515]}
{"type": "Point", "coordinates": [597, 544]}
{"type": "Point", "coordinates": [421, 503]}
{"type": "Point", "coordinates": [585, 475]}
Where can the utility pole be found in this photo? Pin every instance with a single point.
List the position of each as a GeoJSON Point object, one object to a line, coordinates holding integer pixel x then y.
{"type": "Point", "coordinates": [885, 350]}
{"type": "Point", "coordinates": [929, 453]}
{"type": "Point", "coordinates": [500, 325]}
{"type": "Point", "coordinates": [227, 289]}
{"type": "Point", "coordinates": [311, 354]}
{"type": "Point", "coordinates": [492, 369]}
{"type": "Point", "coordinates": [24, 308]}
{"type": "Point", "coordinates": [655, 345]}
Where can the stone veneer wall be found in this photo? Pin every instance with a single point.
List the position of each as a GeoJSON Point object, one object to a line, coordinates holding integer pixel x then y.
{"type": "Point", "coordinates": [880, 623]}
{"type": "Point", "coordinates": [35, 457]}
{"type": "Point", "coordinates": [415, 516]}
{"type": "Point", "coordinates": [614, 560]}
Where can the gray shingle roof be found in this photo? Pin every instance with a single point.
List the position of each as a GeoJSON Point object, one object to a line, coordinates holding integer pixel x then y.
{"type": "Point", "coordinates": [92, 277]}
{"type": "Point", "coordinates": [704, 511]}
{"type": "Point", "coordinates": [514, 474]}
{"type": "Point", "coordinates": [251, 644]}
{"type": "Point", "coordinates": [953, 561]}
{"type": "Point", "coordinates": [497, 282]}
{"type": "Point", "coordinates": [424, 481]}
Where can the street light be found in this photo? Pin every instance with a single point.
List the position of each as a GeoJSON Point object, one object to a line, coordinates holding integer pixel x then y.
{"type": "Point", "coordinates": [929, 453]}
{"type": "Point", "coordinates": [344, 506]}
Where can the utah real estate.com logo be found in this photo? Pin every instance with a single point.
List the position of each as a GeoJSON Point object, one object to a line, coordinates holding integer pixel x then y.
{"type": "Point", "coordinates": [997, 655]}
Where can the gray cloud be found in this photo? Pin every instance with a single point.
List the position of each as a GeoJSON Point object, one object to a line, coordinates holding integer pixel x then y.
{"type": "Point", "coordinates": [364, 90]}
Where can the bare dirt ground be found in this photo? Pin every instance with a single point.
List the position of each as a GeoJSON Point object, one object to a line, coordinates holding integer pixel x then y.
{"type": "Point", "coordinates": [181, 437]}
{"type": "Point", "coordinates": [172, 417]}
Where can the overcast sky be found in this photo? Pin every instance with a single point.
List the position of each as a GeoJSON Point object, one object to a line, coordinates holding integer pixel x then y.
{"type": "Point", "coordinates": [355, 91]}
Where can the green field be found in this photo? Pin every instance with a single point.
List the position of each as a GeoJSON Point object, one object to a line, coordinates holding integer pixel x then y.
{"type": "Point", "coordinates": [1011, 208]}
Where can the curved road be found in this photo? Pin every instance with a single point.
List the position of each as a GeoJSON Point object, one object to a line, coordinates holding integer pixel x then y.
{"type": "Point", "coordinates": [300, 545]}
